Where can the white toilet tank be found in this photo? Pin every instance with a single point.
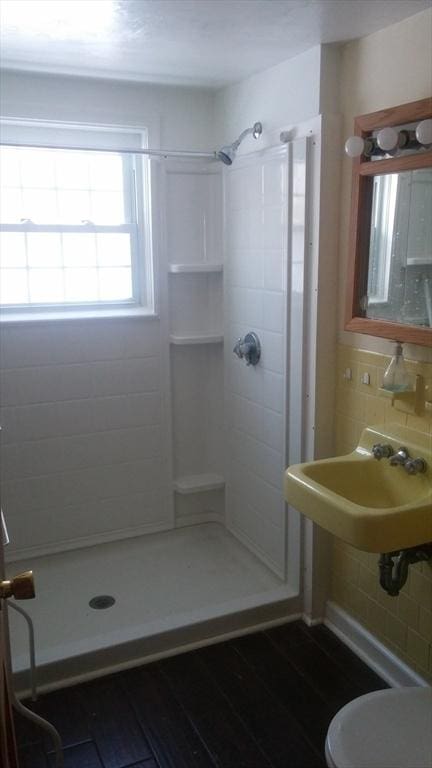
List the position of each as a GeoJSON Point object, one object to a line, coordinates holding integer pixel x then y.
{"type": "Point", "coordinates": [383, 729]}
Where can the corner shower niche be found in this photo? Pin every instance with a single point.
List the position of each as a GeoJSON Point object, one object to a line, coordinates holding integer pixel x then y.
{"type": "Point", "coordinates": [194, 245]}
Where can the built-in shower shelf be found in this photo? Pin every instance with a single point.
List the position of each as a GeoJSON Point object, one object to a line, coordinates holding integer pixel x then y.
{"type": "Point", "coordinates": [204, 267]}
{"type": "Point", "coordinates": [199, 483]}
{"type": "Point", "coordinates": [197, 338]}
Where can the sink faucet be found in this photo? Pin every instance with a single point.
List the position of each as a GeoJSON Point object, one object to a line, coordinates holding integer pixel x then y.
{"type": "Point", "coordinates": [413, 466]}
{"type": "Point", "coordinates": [380, 451]}
{"type": "Point", "coordinates": [400, 458]}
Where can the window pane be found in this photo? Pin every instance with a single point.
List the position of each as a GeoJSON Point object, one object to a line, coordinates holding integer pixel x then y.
{"type": "Point", "coordinates": [9, 167]}
{"type": "Point", "coordinates": [12, 249]}
{"type": "Point", "coordinates": [37, 168]}
{"type": "Point", "coordinates": [115, 284]}
{"type": "Point", "coordinates": [106, 171]}
{"type": "Point", "coordinates": [107, 207]}
{"type": "Point", "coordinates": [72, 170]}
{"type": "Point", "coordinates": [74, 206]}
{"type": "Point", "coordinates": [13, 286]}
{"type": "Point", "coordinates": [81, 284]}
{"type": "Point", "coordinates": [40, 205]}
{"type": "Point", "coordinates": [46, 286]}
{"type": "Point", "coordinates": [113, 250]}
{"type": "Point", "coordinates": [11, 206]}
{"type": "Point", "coordinates": [79, 250]}
{"type": "Point", "coordinates": [59, 190]}
{"type": "Point", "coordinates": [44, 249]}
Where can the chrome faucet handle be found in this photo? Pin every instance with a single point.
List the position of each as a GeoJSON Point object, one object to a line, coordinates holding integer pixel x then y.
{"type": "Point", "coordinates": [249, 348]}
{"type": "Point", "coordinates": [380, 451]}
{"type": "Point", "coordinates": [400, 458]}
{"type": "Point", "coordinates": [415, 466]}
{"type": "Point", "coordinates": [237, 348]}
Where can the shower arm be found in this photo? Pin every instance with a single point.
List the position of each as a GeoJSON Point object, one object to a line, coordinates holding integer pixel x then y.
{"type": "Point", "coordinates": [246, 132]}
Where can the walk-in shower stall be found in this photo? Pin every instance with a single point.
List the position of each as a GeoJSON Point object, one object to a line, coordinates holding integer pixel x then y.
{"type": "Point", "coordinates": [144, 454]}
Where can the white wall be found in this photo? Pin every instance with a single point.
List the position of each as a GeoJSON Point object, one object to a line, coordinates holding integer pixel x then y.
{"type": "Point", "coordinates": [86, 449]}
{"type": "Point", "coordinates": [284, 95]}
{"type": "Point", "coordinates": [391, 67]}
{"type": "Point", "coordinates": [179, 118]}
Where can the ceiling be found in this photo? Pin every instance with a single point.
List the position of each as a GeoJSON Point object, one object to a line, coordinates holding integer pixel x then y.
{"type": "Point", "coordinates": [194, 42]}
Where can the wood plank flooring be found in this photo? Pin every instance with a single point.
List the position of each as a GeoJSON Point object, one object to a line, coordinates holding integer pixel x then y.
{"type": "Point", "coordinates": [259, 701]}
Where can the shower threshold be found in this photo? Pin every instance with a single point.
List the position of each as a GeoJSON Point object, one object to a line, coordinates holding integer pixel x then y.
{"type": "Point", "coordinates": [171, 591]}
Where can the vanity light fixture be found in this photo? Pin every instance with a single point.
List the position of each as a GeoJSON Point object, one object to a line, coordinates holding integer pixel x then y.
{"type": "Point", "coordinates": [389, 140]}
{"type": "Point", "coordinates": [355, 146]}
{"type": "Point", "coordinates": [423, 132]}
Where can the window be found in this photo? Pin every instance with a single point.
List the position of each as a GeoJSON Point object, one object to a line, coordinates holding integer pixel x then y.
{"type": "Point", "coordinates": [70, 231]}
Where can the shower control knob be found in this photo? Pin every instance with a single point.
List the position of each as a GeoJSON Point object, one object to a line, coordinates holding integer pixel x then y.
{"type": "Point", "coordinates": [249, 348]}
{"type": "Point", "coordinates": [21, 587]}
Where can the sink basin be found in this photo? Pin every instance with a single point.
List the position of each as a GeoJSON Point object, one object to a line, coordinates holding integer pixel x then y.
{"type": "Point", "coordinates": [368, 503]}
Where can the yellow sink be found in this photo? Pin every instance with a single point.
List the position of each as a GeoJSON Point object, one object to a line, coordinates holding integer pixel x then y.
{"type": "Point", "coordinates": [368, 503]}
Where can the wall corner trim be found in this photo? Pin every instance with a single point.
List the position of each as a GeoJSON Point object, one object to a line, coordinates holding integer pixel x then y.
{"type": "Point", "coordinates": [369, 649]}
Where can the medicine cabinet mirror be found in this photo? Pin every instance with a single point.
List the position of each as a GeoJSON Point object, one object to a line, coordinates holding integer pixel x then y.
{"type": "Point", "coordinates": [389, 289]}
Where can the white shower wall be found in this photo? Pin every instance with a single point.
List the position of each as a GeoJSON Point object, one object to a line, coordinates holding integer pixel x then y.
{"type": "Point", "coordinates": [85, 405]}
{"type": "Point", "coordinates": [193, 232]}
{"type": "Point", "coordinates": [102, 417]}
{"type": "Point", "coordinates": [256, 286]}
{"type": "Point", "coordinates": [84, 438]}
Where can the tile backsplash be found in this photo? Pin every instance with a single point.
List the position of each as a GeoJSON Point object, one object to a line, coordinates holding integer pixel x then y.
{"type": "Point", "coordinates": [403, 623]}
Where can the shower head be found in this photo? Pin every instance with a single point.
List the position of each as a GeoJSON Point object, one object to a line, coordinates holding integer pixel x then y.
{"type": "Point", "coordinates": [227, 153]}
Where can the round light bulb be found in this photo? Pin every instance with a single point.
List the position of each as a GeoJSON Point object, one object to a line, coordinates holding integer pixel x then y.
{"type": "Point", "coordinates": [424, 132]}
{"type": "Point", "coordinates": [354, 146]}
{"type": "Point", "coordinates": [387, 139]}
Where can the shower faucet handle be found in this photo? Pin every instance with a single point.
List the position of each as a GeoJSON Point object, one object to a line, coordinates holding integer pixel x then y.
{"type": "Point", "coordinates": [249, 348]}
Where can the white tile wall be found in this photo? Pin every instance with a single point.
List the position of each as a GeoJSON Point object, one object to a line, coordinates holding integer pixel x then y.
{"type": "Point", "coordinates": [194, 213]}
{"type": "Point", "coordinates": [84, 441]}
{"type": "Point", "coordinates": [255, 300]}
{"type": "Point", "coordinates": [194, 235]}
{"type": "Point", "coordinates": [197, 386]}
{"type": "Point", "coordinates": [196, 304]}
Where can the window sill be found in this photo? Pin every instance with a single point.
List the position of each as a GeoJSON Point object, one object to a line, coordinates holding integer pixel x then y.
{"type": "Point", "coordinates": [21, 318]}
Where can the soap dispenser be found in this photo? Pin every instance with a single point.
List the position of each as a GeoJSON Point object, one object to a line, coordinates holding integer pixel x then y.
{"type": "Point", "coordinates": [396, 376]}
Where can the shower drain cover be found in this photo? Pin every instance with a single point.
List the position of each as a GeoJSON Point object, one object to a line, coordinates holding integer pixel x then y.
{"type": "Point", "coordinates": [101, 601]}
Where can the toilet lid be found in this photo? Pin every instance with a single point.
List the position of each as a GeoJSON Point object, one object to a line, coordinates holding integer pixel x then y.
{"type": "Point", "coordinates": [383, 729]}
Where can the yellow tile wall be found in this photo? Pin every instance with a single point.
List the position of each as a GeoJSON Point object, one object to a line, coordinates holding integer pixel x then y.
{"type": "Point", "coordinates": [403, 623]}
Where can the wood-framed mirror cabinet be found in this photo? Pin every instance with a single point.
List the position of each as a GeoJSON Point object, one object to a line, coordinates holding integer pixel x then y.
{"type": "Point", "coordinates": [371, 310]}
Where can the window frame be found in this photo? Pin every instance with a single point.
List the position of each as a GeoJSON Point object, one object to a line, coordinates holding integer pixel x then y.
{"type": "Point", "coordinates": [137, 202]}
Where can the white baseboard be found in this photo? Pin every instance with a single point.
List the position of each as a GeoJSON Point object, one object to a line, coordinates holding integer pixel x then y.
{"type": "Point", "coordinates": [369, 649]}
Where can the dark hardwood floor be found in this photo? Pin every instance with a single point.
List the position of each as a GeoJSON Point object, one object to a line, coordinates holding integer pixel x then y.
{"type": "Point", "coordinates": [259, 701]}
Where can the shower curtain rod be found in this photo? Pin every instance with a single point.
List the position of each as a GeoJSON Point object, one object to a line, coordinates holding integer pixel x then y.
{"type": "Point", "coordinates": [117, 150]}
